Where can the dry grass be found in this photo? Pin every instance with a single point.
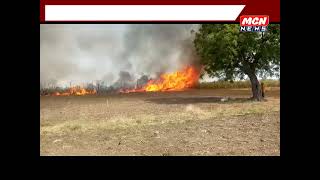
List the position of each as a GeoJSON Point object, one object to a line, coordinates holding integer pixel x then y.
{"type": "Point", "coordinates": [237, 84]}
{"type": "Point", "coordinates": [194, 122]}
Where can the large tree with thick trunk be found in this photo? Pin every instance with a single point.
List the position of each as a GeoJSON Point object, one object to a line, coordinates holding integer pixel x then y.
{"type": "Point", "coordinates": [228, 53]}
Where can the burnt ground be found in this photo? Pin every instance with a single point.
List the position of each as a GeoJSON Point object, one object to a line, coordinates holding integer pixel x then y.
{"type": "Point", "coordinates": [194, 122]}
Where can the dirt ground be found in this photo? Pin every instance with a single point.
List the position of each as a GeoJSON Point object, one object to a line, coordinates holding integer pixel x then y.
{"type": "Point", "coordinates": [194, 122]}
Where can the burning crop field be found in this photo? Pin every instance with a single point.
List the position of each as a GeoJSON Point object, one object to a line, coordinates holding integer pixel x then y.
{"type": "Point", "coordinates": [180, 80]}
{"type": "Point", "coordinates": [136, 90]}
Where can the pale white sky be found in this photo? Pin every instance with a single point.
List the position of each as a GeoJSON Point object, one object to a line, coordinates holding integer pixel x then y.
{"type": "Point", "coordinates": [88, 52]}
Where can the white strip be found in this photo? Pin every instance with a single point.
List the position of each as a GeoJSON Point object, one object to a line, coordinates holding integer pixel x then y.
{"type": "Point", "coordinates": [142, 12]}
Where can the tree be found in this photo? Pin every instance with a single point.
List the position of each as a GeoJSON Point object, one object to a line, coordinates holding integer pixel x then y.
{"type": "Point", "coordinates": [226, 52]}
{"type": "Point", "coordinates": [98, 86]}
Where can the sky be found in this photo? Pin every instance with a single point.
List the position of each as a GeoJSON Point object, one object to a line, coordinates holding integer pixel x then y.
{"type": "Point", "coordinates": [78, 53]}
{"type": "Point", "coordinates": [84, 53]}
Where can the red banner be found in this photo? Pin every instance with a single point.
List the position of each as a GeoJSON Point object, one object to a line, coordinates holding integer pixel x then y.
{"type": "Point", "coordinates": [251, 7]}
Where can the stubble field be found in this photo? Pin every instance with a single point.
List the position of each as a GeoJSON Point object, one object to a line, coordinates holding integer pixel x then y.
{"type": "Point", "coordinates": [193, 122]}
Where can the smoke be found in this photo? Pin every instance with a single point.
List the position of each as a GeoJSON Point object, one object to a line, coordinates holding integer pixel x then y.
{"type": "Point", "coordinates": [81, 53]}
{"type": "Point", "coordinates": [125, 80]}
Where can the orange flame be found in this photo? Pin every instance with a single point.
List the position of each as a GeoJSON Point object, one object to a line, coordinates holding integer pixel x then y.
{"type": "Point", "coordinates": [180, 80]}
{"type": "Point", "coordinates": [77, 91]}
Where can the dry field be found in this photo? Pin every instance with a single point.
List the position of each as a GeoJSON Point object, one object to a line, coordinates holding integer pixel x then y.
{"type": "Point", "coordinates": [194, 122]}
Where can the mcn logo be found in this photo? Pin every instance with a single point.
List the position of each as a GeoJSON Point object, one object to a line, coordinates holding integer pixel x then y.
{"type": "Point", "coordinates": [254, 23]}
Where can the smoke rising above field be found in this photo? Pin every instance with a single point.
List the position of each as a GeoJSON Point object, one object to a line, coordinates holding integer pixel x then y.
{"type": "Point", "coordinates": [83, 53]}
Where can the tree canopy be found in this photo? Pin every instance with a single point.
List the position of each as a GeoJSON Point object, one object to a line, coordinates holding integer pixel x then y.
{"type": "Point", "coordinates": [228, 53]}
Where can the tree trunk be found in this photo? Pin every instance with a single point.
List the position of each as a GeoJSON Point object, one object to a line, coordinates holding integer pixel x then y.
{"type": "Point", "coordinates": [255, 87]}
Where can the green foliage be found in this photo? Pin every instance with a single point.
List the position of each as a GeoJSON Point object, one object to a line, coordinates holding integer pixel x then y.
{"type": "Point", "coordinates": [228, 53]}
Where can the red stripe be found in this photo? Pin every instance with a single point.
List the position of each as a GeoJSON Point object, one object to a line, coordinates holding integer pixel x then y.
{"type": "Point", "coordinates": [42, 11]}
{"type": "Point", "coordinates": [145, 21]}
{"type": "Point", "coordinates": [263, 7]}
{"type": "Point", "coordinates": [253, 7]}
{"type": "Point", "coordinates": [145, 2]}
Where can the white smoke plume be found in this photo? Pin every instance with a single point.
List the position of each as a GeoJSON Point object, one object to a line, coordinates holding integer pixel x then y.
{"type": "Point", "coordinates": [83, 53]}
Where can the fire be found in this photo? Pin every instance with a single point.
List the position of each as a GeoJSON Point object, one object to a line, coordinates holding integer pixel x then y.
{"type": "Point", "coordinates": [180, 80]}
{"type": "Point", "coordinates": [77, 91]}
{"type": "Point", "coordinates": [176, 81]}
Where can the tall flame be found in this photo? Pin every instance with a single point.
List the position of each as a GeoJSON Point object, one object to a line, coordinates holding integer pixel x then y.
{"type": "Point", "coordinates": [186, 78]}
{"type": "Point", "coordinates": [180, 80]}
